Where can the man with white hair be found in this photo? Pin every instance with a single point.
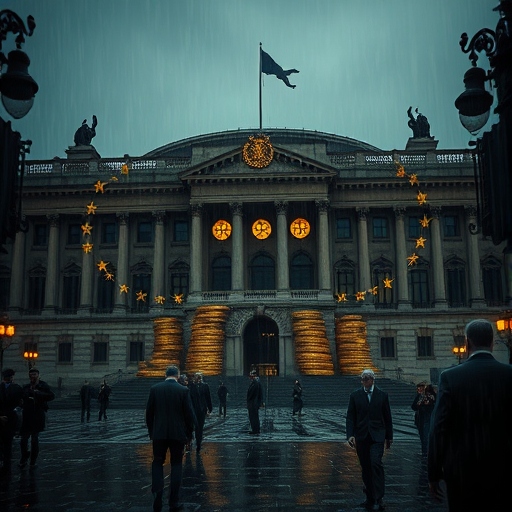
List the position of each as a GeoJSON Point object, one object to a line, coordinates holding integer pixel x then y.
{"type": "Point", "coordinates": [369, 429]}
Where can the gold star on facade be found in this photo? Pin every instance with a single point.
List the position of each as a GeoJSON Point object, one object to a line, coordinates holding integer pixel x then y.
{"type": "Point", "coordinates": [412, 259]}
{"type": "Point", "coordinates": [178, 298]}
{"type": "Point", "coordinates": [123, 288]}
{"type": "Point", "coordinates": [341, 297]}
{"type": "Point", "coordinates": [387, 282]}
{"type": "Point", "coordinates": [374, 290]}
{"type": "Point", "coordinates": [400, 171]}
{"type": "Point", "coordinates": [422, 198]}
{"type": "Point", "coordinates": [109, 276]}
{"type": "Point", "coordinates": [141, 296]}
{"type": "Point", "coordinates": [413, 179]}
{"type": "Point", "coordinates": [125, 169]}
{"type": "Point", "coordinates": [86, 229]}
{"type": "Point", "coordinates": [102, 266]}
{"type": "Point", "coordinates": [420, 242]}
{"type": "Point", "coordinates": [98, 186]}
{"type": "Point", "coordinates": [87, 248]}
{"type": "Point", "coordinates": [114, 178]}
{"type": "Point", "coordinates": [425, 222]}
{"type": "Point", "coordinates": [360, 295]}
{"type": "Point", "coordinates": [159, 299]}
{"type": "Point", "coordinates": [91, 209]}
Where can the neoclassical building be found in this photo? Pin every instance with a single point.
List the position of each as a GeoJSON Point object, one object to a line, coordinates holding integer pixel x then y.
{"type": "Point", "coordinates": [293, 251]}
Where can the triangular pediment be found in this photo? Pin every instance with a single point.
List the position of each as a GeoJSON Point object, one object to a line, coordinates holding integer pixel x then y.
{"type": "Point", "coordinates": [285, 165]}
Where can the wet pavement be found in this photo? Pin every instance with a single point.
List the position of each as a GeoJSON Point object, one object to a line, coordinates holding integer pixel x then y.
{"type": "Point", "coordinates": [294, 464]}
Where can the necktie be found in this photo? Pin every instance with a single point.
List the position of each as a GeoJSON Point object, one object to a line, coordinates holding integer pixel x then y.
{"type": "Point", "coordinates": [369, 393]}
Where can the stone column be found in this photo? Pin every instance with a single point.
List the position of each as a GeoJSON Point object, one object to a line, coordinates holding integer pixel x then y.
{"type": "Point", "coordinates": [475, 270]}
{"type": "Point", "coordinates": [437, 258]}
{"type": "Point", "coordinates": [121, 299]}
{"type": "Point", "coordinates": [158, 277]}
{"type": "Point", "coordinates": [237, 260]}
{"type": "Point", "coordinates": [86, 284]}
{"type": "Point", "coordinates": [283, 268]}
{"type": "Point", "coordinates": [17, 271]}
{"type": "Point", "coordinates": [52, 266]}
{"type": "Point", "coordinates": [401, 259]}
{"type": "Point", "coordinates": [364, 254]}
{"type": "Point", "coordinates": [196, 249]}
{"type": "Point", "coordinates": [324, 255]}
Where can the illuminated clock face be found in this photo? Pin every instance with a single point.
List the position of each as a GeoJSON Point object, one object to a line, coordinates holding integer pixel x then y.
{"type": "Point", "coordinates": [221, 229]}
{"type": "Point", "coordinates": [300, 228]}
{"type": "Point", "coordinates": [261, 229]}
{"type": "Point", "coordinates": [258, 151]}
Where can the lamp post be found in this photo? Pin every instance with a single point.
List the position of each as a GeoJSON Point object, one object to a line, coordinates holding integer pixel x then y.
{"type": "Point", "coordinates": [30, 357]}
{"type": "Point", "coordinates": [504, 328]}
{"type": "Point", "coordinates": [7, 331]}
{"type": "Point", "coordinates": [493, 173]}
{"type": "Point", "coordinates": [459, 352]}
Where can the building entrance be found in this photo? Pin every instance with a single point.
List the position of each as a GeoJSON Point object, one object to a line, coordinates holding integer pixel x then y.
{"type": "Point", "coordinates": [261, 346]}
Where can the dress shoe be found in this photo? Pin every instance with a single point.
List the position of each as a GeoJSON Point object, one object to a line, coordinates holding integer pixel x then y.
{"type": "Point", "coordinates": [368, 505]}
{"type": "Point", "coordinates": [175, 508]}
{"type": "Point", "coordinates": [157, 501]}
{"type": "Point", "coordinates": [381, 505]}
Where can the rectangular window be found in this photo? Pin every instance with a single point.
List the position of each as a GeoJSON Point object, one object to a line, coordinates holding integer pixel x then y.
{"type": "Point", "coordinates": [145, 232]}
{"type": "Point", "coordinates": [345, 280]}
{"type": "Point", "coordinates": [100, 352]}
{"type": "Point", "coordinates": [419, 292]}
{"type": "Point", "coordinates": [5, 287]}
{"type": "Point", "coordinates": [108, 233]}
{"type": "Point", "coordinates": [179, 283]}
{"type": "Point", "coordinates": [181, 231]}
{"type": "Point", "coordinates": [425, 348]}
{"type": "Point", "coordinates": [141, 283]}
{"type": "Point", "coordinates": [65, 349]}
{"type": "Point", "coordinates": [74, 234]}
{"type": "Point", "coordinates": [70, 294]}
{"type": "Point", "coordinates": [136, 351]}
{"type": "Point", "coordinates": [36, 286]}
{"type": "Point", "coordinates": [106, 290]}
{"type": "Point", "coordinates": [387, 347]}
{"type": "Point", "coordinates": [380, 227]}
{"type": "Point", "coordinates": [414, 226]}
{"type": "Point", "coordinates": [492, 286]}
{"type": "Point", "coordinates": [343, 228]}
{"type": "Point", "coordinates": [456, 287]}
{"type": "Point", "coordinates": [40, 235]}
{"type": "Point", "coordinates": [451, 226]}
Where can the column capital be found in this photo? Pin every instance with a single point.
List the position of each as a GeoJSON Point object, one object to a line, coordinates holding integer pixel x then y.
{"type": "Point", "coordinates": [236, 208]}
{"type": "Point", "coordinates": [159, 216]}
{"type": "Point", "coordinates": [435, 211]}
{"type": "Point", "coordinates": [53, 220]}
{"type": "Point", "coordinates": [196, 209]}
{"type": "Point", "coordinates": [281, 207]}
{"type": "Point", "coordinates": [399, 211]}
{"type": "Point", "coordinates": [470, 209]}
{"type": "Point", "coordinates": [122, 217]}
{"type": "Point", "coordinates": [322, 205]}
{"type": "Point", "coordinates": [362, 212]}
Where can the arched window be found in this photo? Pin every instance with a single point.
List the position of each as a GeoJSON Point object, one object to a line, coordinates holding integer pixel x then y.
{"type": "Point", "coordinates": [301, 272]}
{"type": "Point", "coordinates": [36, 287]}
{"type": "Point", "coordinates": [382, 271]}
{"type": "Point", "coordinates": [345, 275]}
{"type": "Point", "coordinates": [141, 282]}
{"type": "Point", "coordinates": [493, 281]}
{"type": "Point", "coordinates": [455, 272]}
{"type": "Point", "coordinates": [419, 285]}
{"type": "Point", "coordinates": [263, 273]}
{"type": "Point", "coordinates": [71, 288]}
{"type": "Point", "coordinates": [221, 273]}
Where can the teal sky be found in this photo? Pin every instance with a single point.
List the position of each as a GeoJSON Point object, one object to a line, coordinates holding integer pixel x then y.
{"type": "Point", "coordinates": [157, 71]}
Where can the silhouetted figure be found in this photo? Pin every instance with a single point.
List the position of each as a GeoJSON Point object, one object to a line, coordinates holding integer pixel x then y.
{"type": "Point", "coordinates": [254, 402]}
{"type": "Point", "coordinates": [423, 405]}
{"type": "Point", "coordinates": [84, 134]}
{"type": "Point", "coordinates": [202, 405]}
{"type": "Point", "coordinates": [297, 398]}
{"type": "Point", "coordinates": [222, 393]}
{"type": "Point", "coordinates": [420, 126]}
{"type": "Point", "coordinates": [86, 394]}
{"type": "Point", "coordinates": [103, 398]}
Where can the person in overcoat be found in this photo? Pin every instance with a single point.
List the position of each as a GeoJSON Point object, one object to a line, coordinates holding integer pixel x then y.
{"type": "Point", "coordinates": [254, 402]}
{"type": "Point", "coordinates": [170, 423]}
{"type": "Point", "coordinates": [202, 404]}
{"type": "Point", "coordinates": [369, 429]}
{"type": "Point", "coordinates": [470, 446]}
{"type": "Point", "coordinates": [36, 395]}
{"type": "Point", "coordinates": [297, 398]}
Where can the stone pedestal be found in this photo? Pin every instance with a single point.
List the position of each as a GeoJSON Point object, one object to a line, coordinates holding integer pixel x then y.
{"type": "Point", "coordinates": [82, 153]}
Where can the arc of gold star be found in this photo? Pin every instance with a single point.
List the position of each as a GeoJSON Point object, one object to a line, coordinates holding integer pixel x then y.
{"type": "Point", "coordinates": [109, 276]}
{"type": "Point", "coordinates": [425, 221]}
{"type": "Point", "coordinates": [374, 290]}
{"type": "Point", "coordinates": [91, 209]}
{"type": "Point", "coordinates": [102, 265]}
{"type": "Point", "coordinates": [114, 178]}
{"type": "Point", "coordinates": [413, 259]}
{"type": "Point", "coordinates": [99, 186]}
{"type": "Point", "coordinates": [400, 171]}
{"type": "Point", "coordinates": [86, 229]}
{"type": "Point", "coordinates": [413, 179]}
{"type": "Point", "coordinates": [141, 296]}
{"type": "Point", "coordinates": [125, 169]}
{"type": "Point", "coordinates": [422, 198]}
{"type": "Point", "coordinates": [123, 288]}
{"type": "Point", "coordinates": [87, 248]}
{"type": "Point", "coordinates": [159, 299]}
{"type": "Point", "coordinates": [360, 295]}
{"type": "Point", "coordinates": [341, 297]}
{"type": "Point", "coordinates": [387, 282]}
{"type": "Point", "coordinates": [420, 242]}
{"type": "Point", "coordinates": [178, 298]}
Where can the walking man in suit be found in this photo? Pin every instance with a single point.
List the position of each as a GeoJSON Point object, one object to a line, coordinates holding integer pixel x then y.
{"type": "Point", "coordinates": [170, 422]}
{"type": "Point", "coordinates": [470, 430]}
{"type": "Point", "coordinates": [369, 430]}
{"type": "Point", "coordinates": [254, 402]}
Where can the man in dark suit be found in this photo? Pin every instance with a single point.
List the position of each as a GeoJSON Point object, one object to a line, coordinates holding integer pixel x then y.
{"type": "Point", "coordinates": [170, 422]}
{"type": "Point", "coordinates": [202, 405]}
{"type": "Point", "coordinates": [254, 402]}
{"type": "Point", "coordinates": [470, 445]}
{"type": "Point", "coordinates": [369, 429]}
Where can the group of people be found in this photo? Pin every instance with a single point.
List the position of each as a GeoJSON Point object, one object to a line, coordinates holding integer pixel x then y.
{"type": "Point", "coordinates": [23, 413]}
{"type": "Point", "coordinates": [88, 393]}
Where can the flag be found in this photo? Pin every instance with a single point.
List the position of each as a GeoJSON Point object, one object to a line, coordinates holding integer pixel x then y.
{"type": "Point", "coordinates": [270, 67]}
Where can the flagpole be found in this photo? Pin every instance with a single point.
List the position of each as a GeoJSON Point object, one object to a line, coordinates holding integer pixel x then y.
{"type": "Point", "coordinates": [260, 91]}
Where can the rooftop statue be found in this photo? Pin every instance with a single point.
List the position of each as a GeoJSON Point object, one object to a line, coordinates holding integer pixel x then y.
{"type": "Point", "coordinates": [420, 126]}
{"type": "Point", "coordinates": [84, 134]}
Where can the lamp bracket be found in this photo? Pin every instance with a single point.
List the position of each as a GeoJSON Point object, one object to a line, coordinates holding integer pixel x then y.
{"type": "Point", "coordinates": [483, 40]}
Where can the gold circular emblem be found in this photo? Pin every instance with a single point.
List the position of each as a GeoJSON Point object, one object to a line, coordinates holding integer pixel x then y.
{"type": "Point", "coordinates": [221, 229]}
{"type": "Point", "coordinates": [300, 228]}
{"type": "Point", "coordinates": [258, 151]}
{"type": "Point", "coordinates": [261, 229]}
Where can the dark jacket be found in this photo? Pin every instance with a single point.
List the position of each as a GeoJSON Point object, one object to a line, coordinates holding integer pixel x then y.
{"type": "Point", "coordinates": [222, 393]}
{"type": "Point", "coordinates": [35, 405]}
{"type": "Point", "coordinates": [10, 397]}
{"type": "Point", "coordinates": [201, 398]}
{"type": "Point", "coordinates": [372, 417]}
{"type": "Point", "coordinates": [169, 412]}
{"type": "Point", "coordinates": [86, 393]}
{"type": "Point", "coordinates": [255, 394]}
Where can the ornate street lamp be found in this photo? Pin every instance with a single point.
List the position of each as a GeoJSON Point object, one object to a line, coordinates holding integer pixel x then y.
{"type": "Point", "coordinates": [30, 357]}
{"type": "Point", "coordinates": [459, 352]}
{"type": "Point", "coordinates": [7, 331]}
{"type": "Point", "coordinates": [17, 87]}
{"type": "Point", "coordinates": [504, 328]}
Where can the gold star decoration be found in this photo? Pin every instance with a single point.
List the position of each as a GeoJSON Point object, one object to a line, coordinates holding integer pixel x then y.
{"type": "Point", "coordinates": [425, 221]}
{"type": "Point", "coordinates": [141, 296]}
{"type": "Point", "coordinates": [412, 259]}
{"type": "Point", "coordinates": [87, 248]}
{"type": "Point", "coordinates": [109, 276]}
{"type": "Point", "coordinates": [102, 266]}
{"type": "Point", "coordinates": [178, 298]}
{"type": "Point", "coordinates": [125, 169]}
{"type": "Point", "coordinates": [159, 299]}
{"type": "Point", "coordinates": [86, 229]}
{"type": "Point", "coordinates": [360, 295]}
{"type": "Point", "coordinates": [374, 290]}
{"type": "Point", "coordinates": [400, 171]}
{"type": "Point", "coordinates": [123, 288]}
{"type": "Point", "coordinates": [413, 179]}
{"type": "Point", "coordinates": [341, 297]}
{"type": "Point", "coordinates": [98, 186]}
{"type": "Point", "coordinates": [114, 178]}
{"type": "Point", "coordinates": [420, 242]}
{"type": "Point", "coordinates": [387, 282]}
{"type": "Point", "coordinates": [91, 209]}
{"type": "Point", "coordinates": [422, 198]}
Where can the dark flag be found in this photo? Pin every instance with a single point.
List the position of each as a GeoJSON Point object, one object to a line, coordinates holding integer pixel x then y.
{"type": "Point", "coordinates": [270, 67]}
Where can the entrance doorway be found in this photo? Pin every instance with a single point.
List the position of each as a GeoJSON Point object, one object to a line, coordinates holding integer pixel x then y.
{"type": "Point", "coordinates": [261, 346]}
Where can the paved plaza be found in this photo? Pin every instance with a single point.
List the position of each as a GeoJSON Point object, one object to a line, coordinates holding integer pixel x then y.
{"type": "Point", "coordinates": [295, 464]}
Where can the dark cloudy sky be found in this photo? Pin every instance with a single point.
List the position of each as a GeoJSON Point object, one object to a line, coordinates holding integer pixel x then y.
{"type": "Point", "coordinates": [157, 71]}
